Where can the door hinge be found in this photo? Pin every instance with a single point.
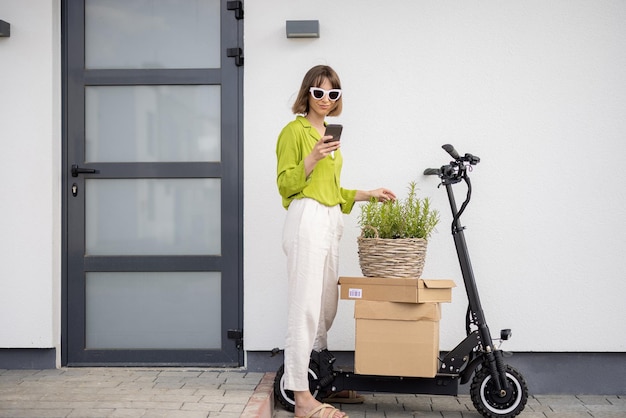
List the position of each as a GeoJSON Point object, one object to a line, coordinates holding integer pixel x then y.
{"type": "Point", "coordinates": [237, 6]}
{"type": "Point", "coordinates": [237, 335]}
{"type": "Point", "coordinates": [237, 53]}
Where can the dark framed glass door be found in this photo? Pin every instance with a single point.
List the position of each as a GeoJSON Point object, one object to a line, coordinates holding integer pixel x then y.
{"type": "Point", "coordinates": [152, 184]}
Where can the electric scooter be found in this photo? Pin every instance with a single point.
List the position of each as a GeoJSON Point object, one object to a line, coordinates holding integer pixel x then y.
{"type": "Point", "coordinates": [497, 389]}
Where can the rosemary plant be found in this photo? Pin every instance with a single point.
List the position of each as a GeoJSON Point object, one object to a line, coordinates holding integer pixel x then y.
{"type": "Point", "coordinates": [411, 217]}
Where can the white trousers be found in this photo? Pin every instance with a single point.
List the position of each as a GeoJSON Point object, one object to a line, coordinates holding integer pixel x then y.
{"type": "Point", "coordinates": [311, 242]}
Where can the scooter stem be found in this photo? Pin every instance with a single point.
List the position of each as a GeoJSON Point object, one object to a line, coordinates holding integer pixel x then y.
{"type": "Point", "coordinates": [458, 235]}
{"type": "Point", "coordinates": [478, 317]}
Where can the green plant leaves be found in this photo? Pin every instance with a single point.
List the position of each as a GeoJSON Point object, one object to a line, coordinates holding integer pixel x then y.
{"type": "Point", "coordinates": [411, 217]}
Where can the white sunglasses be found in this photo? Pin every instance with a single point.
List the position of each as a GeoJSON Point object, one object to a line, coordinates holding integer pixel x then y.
{"type": "Point", "coordinates": [318, 93]}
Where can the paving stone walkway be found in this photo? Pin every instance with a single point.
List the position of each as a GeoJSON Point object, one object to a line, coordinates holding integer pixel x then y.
{"type": "Point", "coordinates": [190, 393]}
{"type": "Point", "coordinates": [423, 406]}
{"type": "Point", "coordinates": [127, 392]}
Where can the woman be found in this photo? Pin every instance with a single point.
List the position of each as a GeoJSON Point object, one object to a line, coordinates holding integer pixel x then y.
{"type": "Point", "coordinates": [309, 170]}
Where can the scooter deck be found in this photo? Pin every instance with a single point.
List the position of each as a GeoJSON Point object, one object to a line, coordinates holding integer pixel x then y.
{"type": "Point", "coordinates": [441, 384]}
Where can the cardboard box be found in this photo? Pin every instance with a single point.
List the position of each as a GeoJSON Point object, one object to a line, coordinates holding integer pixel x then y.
{"type": "Point", "coordinates": [396, 290]}
{"type": "Point", "coordinates": [396, 339]}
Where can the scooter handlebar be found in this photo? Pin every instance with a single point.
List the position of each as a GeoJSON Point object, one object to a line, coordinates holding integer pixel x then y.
{"type": "Point", "coordinates": [472, 159]}
{"type": "Point", "coordinates": [432, 172]}
{"type": "Point", "coordinates": [455, 170]}
{"type": "Point", "coordinates": [450, 150]}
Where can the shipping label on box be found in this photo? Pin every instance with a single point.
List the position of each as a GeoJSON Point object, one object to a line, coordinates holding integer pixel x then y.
{"type": "Point", "coordinates": [396, 289]}
{"type": "Point", "coordinates": [396, 339]}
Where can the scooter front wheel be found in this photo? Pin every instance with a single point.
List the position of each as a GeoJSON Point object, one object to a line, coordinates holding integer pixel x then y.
{"type": "Point", "coordinates": [490, 403]}
{"type": "Point", "coordinates": [285, 396]}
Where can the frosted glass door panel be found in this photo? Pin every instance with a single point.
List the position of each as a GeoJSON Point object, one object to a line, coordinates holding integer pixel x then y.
{"type": "Point", "coordinates": [133, 34]}
{"type": "Point", "coordinates": [153, 310]}
{"type": "Point", "coordinates": [152, 123]}
{"type": "Point", "coordinates": [153, 217]}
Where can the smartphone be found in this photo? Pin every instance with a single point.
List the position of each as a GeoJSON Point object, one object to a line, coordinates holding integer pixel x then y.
{"type": "Point", "coordinates": [335, 131]}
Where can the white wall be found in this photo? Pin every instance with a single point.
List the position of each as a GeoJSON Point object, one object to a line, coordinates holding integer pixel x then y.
{"type": "Point", "coordinates": [536, 89]}
{"type": "Point", "coordinates": [30, 146]}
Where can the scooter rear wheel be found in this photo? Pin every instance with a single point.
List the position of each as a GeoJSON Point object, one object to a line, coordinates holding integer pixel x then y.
{"type": "Point", "coordinates": [284, 396]}
{"type": "Point", "coordinates": [488, 401]}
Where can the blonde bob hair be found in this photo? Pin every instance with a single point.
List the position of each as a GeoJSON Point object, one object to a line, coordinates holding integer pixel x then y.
{"type": "Point", "coordinates": [314, 78]}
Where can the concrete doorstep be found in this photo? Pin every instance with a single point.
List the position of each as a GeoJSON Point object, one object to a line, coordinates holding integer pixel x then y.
{"type": "Point", "coordinates": [261, 403]}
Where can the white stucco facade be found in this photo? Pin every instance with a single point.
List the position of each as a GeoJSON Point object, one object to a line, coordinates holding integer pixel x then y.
{"type": "Point", "coordinates": [536, 89]}
{"type": "Point", "coordinates": [30, 128]}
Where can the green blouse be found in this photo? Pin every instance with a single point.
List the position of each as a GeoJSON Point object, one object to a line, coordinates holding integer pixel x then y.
{"type": "Point", "coordinates": [295, 142]}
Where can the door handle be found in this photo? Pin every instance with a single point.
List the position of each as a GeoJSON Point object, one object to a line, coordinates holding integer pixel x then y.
{"type": "Point", "coordinates": [76, 170]}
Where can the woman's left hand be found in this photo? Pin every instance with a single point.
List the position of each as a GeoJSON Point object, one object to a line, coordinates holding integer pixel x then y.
{"type": "Point", "coordinates": [383, 195]}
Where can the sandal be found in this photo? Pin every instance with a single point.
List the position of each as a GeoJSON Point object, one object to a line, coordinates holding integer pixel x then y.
{"type": "Point", "coordinates": [320, 410]}
{"type": "Point", "coordinates": [340, 397]}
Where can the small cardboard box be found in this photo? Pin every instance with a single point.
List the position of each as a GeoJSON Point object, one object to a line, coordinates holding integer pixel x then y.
{"type": "Point", "coordinates": [396, 339]}
{"type": "Point", "coordinates": [396, 290]}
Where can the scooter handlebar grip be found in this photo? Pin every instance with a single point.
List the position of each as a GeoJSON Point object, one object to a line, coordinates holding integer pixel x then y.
{"type": "Point", "coordinates": [432, 172]}
{"type": "Point", "coordinates": [450, 150]}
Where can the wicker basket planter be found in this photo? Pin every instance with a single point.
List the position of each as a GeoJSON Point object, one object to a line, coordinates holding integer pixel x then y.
{"type": "Point", "coordinates": [392, 257]}
{"type": "Point", "coordinates": [394, 235]}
